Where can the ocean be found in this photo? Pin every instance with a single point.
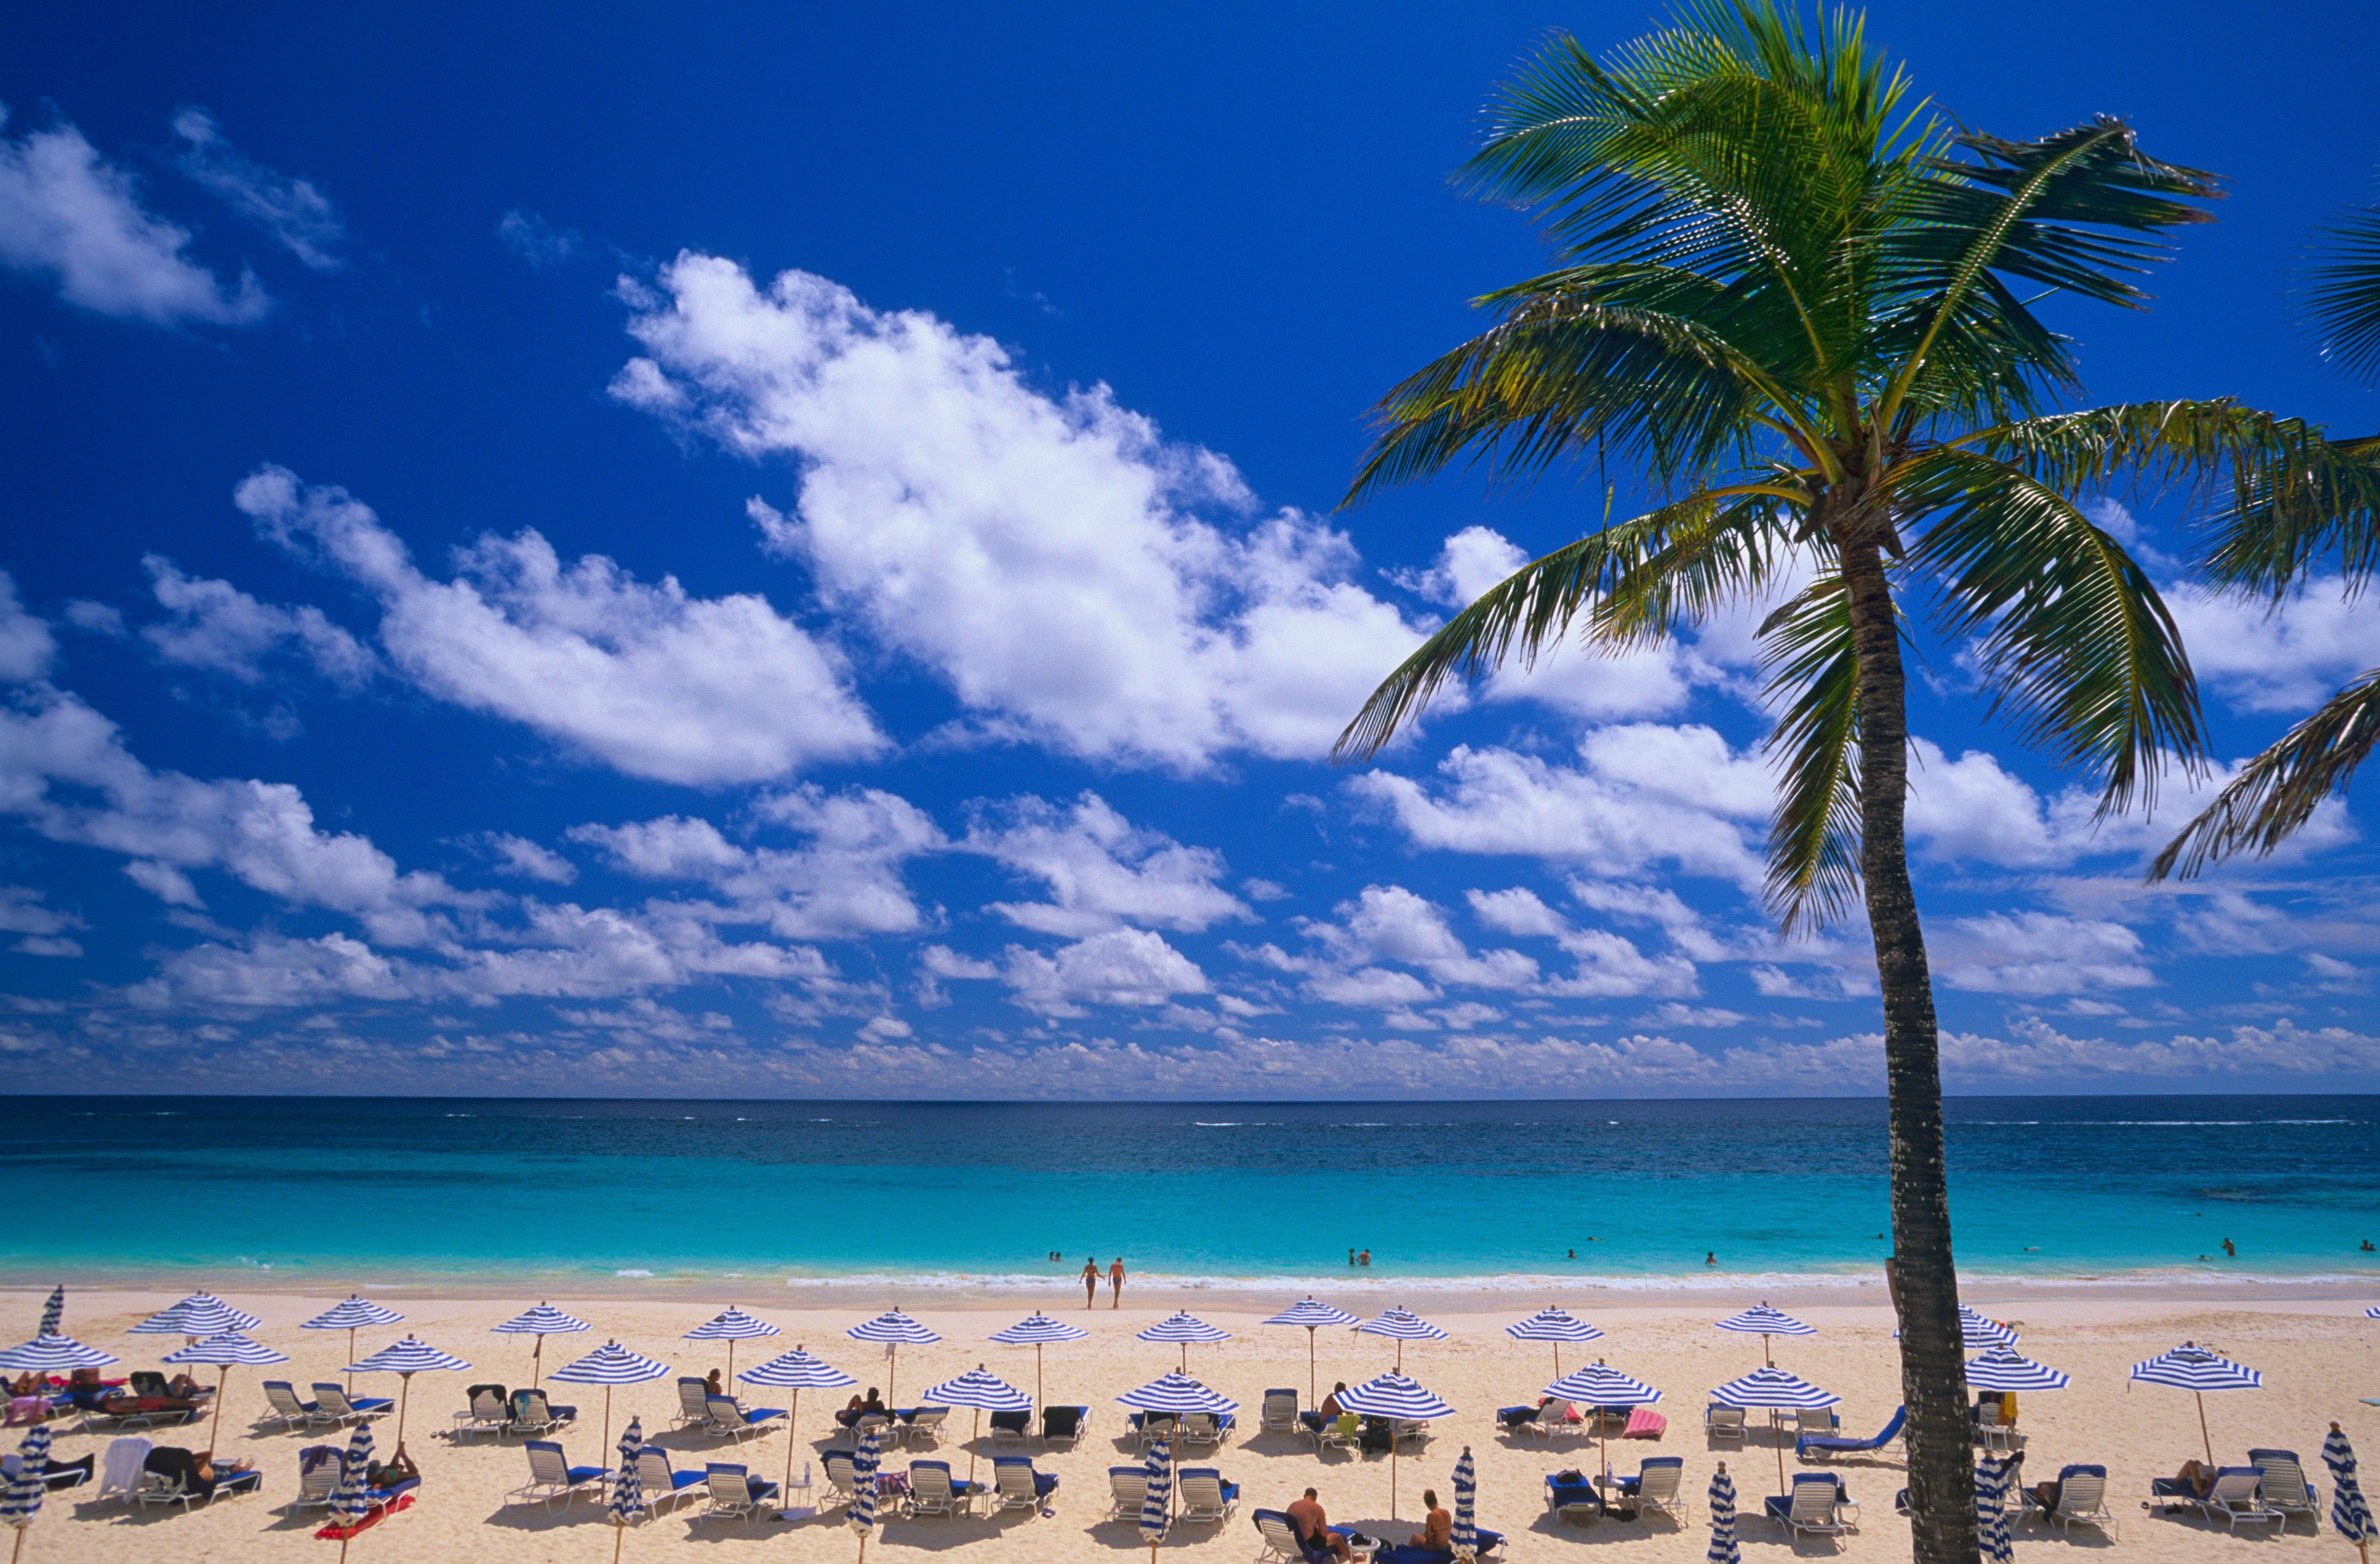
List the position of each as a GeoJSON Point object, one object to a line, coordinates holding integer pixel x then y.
{"type": "Point", "coordinates": [548, 1193]}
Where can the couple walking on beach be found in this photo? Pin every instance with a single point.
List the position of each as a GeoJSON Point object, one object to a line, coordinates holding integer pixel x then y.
{"type": "Point", "coordinates": [1091, 1282]}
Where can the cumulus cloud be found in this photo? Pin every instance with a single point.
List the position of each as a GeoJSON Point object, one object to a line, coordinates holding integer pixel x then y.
{"type": "Point", "coordinates": [1103, 873]}
{"type": "Point", "coordinates": [1120, 967]}
{"type": "Point", "coordinates": [215, 625]}
{"type": "Point", "coordinates": [23, 912]}
{"type": "Point", "coordinates": [518, 855]}
{"type": "Point", "coordinates": [1073, 578]}
{"type": "Point", "coordinates": [71, 216]}
{"type": "Point", "coordinates": [1386, 923]}
{"type": "Point", "coordinates": [644, 676]}
{"type": "Point", "coordinates": [2036, 953]}
{"type": "Point", "coordinates": [27, 646]}
{"type": "Point", "coordinates": [298, 215]}
{"type": "Point", "coordinates": [2263, 658]}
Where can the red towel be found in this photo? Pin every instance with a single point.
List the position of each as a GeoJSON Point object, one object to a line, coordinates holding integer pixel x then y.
{"type": "Point", "coordinates": [1644, 1423]}
{"type": "Point", "coordinates": [372, 1517]}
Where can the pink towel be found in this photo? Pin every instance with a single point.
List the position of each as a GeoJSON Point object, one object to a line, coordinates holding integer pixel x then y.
{"type": "Point", "coordinates": [1644, 1423]}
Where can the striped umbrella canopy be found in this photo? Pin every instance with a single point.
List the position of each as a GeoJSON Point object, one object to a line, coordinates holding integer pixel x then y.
{"type": "Point", "coordinates": [731, 1327]}
{"type": "Point", "coordinates": [1598, 1384]}
{"type": "Point", "coordinates": [2003, 1368]}
{"type": "Point", "coordinates": [1764, 1322]}
{"type": "Point", "coordinates": [53, 1313]}
{"type": "Point", "coordinates": [2373, 1313]}
{"type": "Point", "coordinates": [52, 1354]}
{"type": "Point", "coordinates": [983, 1391]}
{"type": "Point", "coordinates": [1977, 1331]}
{"type": "Point", "coordinates": [796, 1371]}
{"type": "Point", "coordinates": [2192, 1368]}
{"type": "Point", "coordinates": [1313, 1316]}
{"type": "Point", "coordinates": [356, 1314]}
{"type": "Point", "coordinates": [22, 1499]}
{"type": "Point", "coordinates": [351, 1500]}
{"type": "Point", "coordinates": [2348, 1513]}
{"type": "Point", "coordinates": [1178, 1393]}
{"type": "Point", "coordinates": [1991, 1512]}
{"type": "Point", "coordinates": [1465, 1539]}
{"type": "Point", "coordinates": [1393, 1396]}
{"type": "Point", "coordinates": [1185, 1328]}
{"type": "Point", "coordinates": [862, 1513]}
{"type": "Point", "coordinates": [892, 1328]}
{"type": "Point", "coordinates": [1773, 1387]}
{"type": "Point", "coordinates": [1400, 1326]}
{"type": "Point", "coordinates": [1723, 1549]}
{"type": "Point", "coordinates": [408, 1358]}
{"type": "Point", "coordinates": [1554, 1325]}
{"type": "Point", "coordinates": [608, 1366]}
{"type": "Point", "coordinates": [223, 1349]}
{"type": "Point", "coordinates": [1157, 1494]}
{"type": "Point", "coordinates": [627, 1486]}
{"type": "Point", "coordinates": [1037, 1330]}
{"type": "Point", "coordinates": [201, 1314]}
{"type": "Point", "coordinates": [541, 1322]}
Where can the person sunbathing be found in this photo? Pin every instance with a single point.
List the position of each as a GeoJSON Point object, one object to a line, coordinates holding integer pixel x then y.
{"type": "Point", "coordinates": [2197, 1476]}
{"type": "Point", "coordinates": [850, 1412]}
{"type": "Point", "coordinates": [1313, 1529]}
{"type": "Point", "coordinates": [1437, 1533]}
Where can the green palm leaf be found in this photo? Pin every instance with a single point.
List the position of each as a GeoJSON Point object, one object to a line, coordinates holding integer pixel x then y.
{"type": "Point", "coordinates": [2278, 792]}
{"type": "Point", "coordinates": [2343, 294]}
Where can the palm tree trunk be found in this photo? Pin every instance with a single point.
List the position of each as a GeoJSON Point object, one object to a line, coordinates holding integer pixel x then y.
{"type": "Point", "coordinates": [1932, 1376]}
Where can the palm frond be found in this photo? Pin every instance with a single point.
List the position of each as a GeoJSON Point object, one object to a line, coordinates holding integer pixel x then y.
{"type": "Point", "coordinates": [2278, 792]}
{"type": "Point", "coordinates": [2343, 293]}
{"type": "Point", "coordinates": [1814, 832]}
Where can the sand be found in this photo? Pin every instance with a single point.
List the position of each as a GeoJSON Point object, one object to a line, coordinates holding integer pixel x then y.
{"type": "Point", "coordinates": [2317, 1355]}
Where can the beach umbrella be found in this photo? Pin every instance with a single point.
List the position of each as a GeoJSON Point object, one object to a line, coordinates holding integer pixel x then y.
{"type": "Point", "coordinates": [1976, 1332]}
{"type": "Point", "coordinates": [1991, 1513]}
{"type": "Point", "coordinates": [351, 1500]}
{"type": "Point", "coordinates": [1722, 1514]}
{"type": "Point", "coordinates": [862, 1512]}
{"type": "Point", "coordinates": [405, 1359]}
{"type": "Point", "coordinates": [1183, 1328]}
{"type": "Point", "coordinates": [1394, 1397]}
{"type": "Point", "coordinates": [355, 1315]}
{"type": "Point", "coordinates": [1400, 1326]}
{"type": "Point", "coordinates": [1764, 1322]}
{"type": "Point", "coordinates": [201, 1314]}
{"type": "Point", "coordinates": [1037, 1330]}
{"type": "Point", "coordinates": [980, 1391]}
{"type": "Point", "coordinates": [541, 1322]}
{"type": "Point", "coordinates": [608, 1366]}
{"type": "Point", "coordinates": [2348, 1513]}
{"type": "Point", "coordinates": [1177, 1393]}
{"type": "Point", "coordinates": [731, 1326]}
{"type": "Point", "coordinates": [26, 1491]}
{"type": "Point", "coordinates": [1554, 1325]}
{"type": "Point", "coordinates": [1157, 1494]}
{"type": "Point", "coordinates": [627, 1486]}
{"type": "Point", "coordinates": [1773, 1388]}
{"type": "Point", "coordinates": [2194, 1368]}
{"type": "Point", "coordinates": [796, 1371]}
{"type": "Point", "coordinates": [54, 1313]}
{"type": "Point", "coordinates": [1312, 1316]}
{"type": "Point", "coordinates": [1465, 1538]}
{"type": "Point", "coordinates": [53, 1354]}
{"type": "Point", "coordinates": [892, 1328]}
{"type": "Point", "coordinates": [225, 1350]}
{"type": "Point", "coordinates": [1598, 1384]}
{"type": "Point", "coordinates": [2003, 1368]}
{"type": "Point", "coordinates": [2370, 1314]}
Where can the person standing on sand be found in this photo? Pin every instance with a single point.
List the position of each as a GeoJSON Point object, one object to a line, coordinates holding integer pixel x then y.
{"type": "Point", "coordinates": [1115, 1280]}
{"type": "Point", "coordinates": [1091, 1283]}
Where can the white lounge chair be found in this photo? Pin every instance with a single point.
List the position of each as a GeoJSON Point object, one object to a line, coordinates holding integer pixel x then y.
{"type": "Point", "coordinates": [1205, 1495]}
{"type": "Point", "coordinates": [288, 1409]}
{"type": "Point", "coordinates": [735, 1492]}
{"type": "Point", "coordinates": [862, 1423]}
{"type": "Point", "coordinates": [181, 1486]}
{"type": "Point", "coordinates": [2082, 1500]}
{"type": "Point", "coordinates": [1814, 1507]}
{"type": "Point", "coordinates": [1280, 1414]}
{"type": "Point", "coordinates": [1409, 1431]}
{"type": "Point", "coordinates": [1200, 1428]}
{"type": "Point", "coordinates": [2285, 1488]}
{"type": "Point", "coordinates": [730, 1421]}
{"type": "Point", "coordinates": [317, 1479]}
{"type": "Point", "coordinates": [1821, 1421]}
{"type": "Point", "coordinates": [1127, 1487]}
{"type": "Point", "coordinates": [332, 1398]}
{"type": "Point", "coordinates": [1015, 1485]}
{"type": "Point", "coordinates": [2232, 1496]}
{"type": "Point", "coordinates": [1657, 1486]}
{"type": "Point", "coordinates": [551, 1479]}
{"type": "Point", "coordinates": [532, 1413]}
{"type": "Point", "coordinates": [693, 1404]}
{"type": "Point", "coordinates": [120, 1468]}
{"type": "Point", "coordinates": [1064, 1425]}
{"type": "Point", "coordinates": [1336, 1433]}
{"type": "Point", "coordinates": [842, 1479]}
{"type": "Point", "coordinates": [1281, 1545]}
{"type": "Point", "coordinates": [487, 1413]}
{"type": "Point", "coordinates": [662, 1483]}
{"type": "Point", "coordinates": [1724, 1423]}
{"type": "Point", "coordinates": [933, 1491]}
{"type": "Point", "coordinates": [924, 1428]}
{"type": "Point", "coordinates": [1553, 1417]}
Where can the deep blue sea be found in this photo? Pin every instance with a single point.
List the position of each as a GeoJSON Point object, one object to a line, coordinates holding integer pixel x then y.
{"type": "Point", "coordinates": [353, 1190]}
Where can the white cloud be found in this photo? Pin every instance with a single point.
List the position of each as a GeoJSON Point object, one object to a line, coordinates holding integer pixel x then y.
{"type": "Point", "coordinates": [651, 680]}
{"type": "Point", "coordinates": [530, 861]}
{"type": "Point", "coordinates": [2036, 953]}
{"type": "Point", "coordinates": [43, 927]}
{"type": "Point", "coordinates": [1516, 911]}
{"type": "Point", "coordinates": [1052, 558]}
{"type": "Point", "coordinates": [1609, 965]}
{"type": "Point", "coordinates": [1390, 924]}
{"type": "Point", "coordinates": [1120, 967]}
{"type": "Point", "coordinates": [1674, 1014]}
{"type": "Point", "coordinates": [27, 647]}
{"type": "Point", "coordinates": [537, 241]}
{"type": "Point", "coordinates": [292, 211]}
{"type": "Point", "coordinates": [2261, 658]}
{"type": "Point", "coordinates": [69, 214]}
{"type": "Point", "coordinates": [217, 627]}
{"type": "Point", "coordinates": [1101, 872]}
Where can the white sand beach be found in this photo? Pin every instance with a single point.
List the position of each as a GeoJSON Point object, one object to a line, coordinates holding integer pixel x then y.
{"type": "Point", "coordinates": [2317, 1358]}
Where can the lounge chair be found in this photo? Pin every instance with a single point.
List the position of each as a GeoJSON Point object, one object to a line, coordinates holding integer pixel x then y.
{"type": "Point", "coordinates": [1823, 1446]}
{"type": "Point", "coordinates": [2233, 1497]}
{"type": "Point", "coordinates": [1015, 1485]}
{"type": "Point", "coordinates": [922, 1428]}
{"type": "Point", "coordinates": [1280, 1413]}
{"type": "Point", "coordinates": [860, 1425]}
{"type": "Point", "coordinates": [1149, 1427]}
{"type": "Point", "coordinates": [2081, 1499]}
{"type": "Point", "coordinates": [1205, 1495]}
{"type": "Point", "coordinates": [693, 1402]}
{"type": "Point", "coordinates": [125, 1411]}
{"type": "Point", "coordinates": [1064, 1425]}
{"type": "Point", "coordinates": [318, 1476]}
{"type": "Point", "coordinates": [120, 1468]}
{"type": "Point", "coordinates": [1127, 1485]}
{"type": "Point", "coordinates": [735, 1492]}
{"type": "Point", "coordinates": [1657, 1486]}
{"type": "Point", "coordinates": [1204, 1428]}
{"type": "Point", "coordinates": [1514, 1419]}
{"type": "Point", "coordinates": [149, 1381]}
{"type": "Point", "coordinates": [2285, 1488]}
{"type": "Point", "coordinates": [1010, 1427]}
{"type": "Point", "coordinates": [933, 1491]}
{"type": "Point", "coordinates": [1336, 1433]}
{"type": "Point", "coordinates": [288, 1409]}
{"type": "Point", "coordinates": [1818, 1422]}
{"type": "Point", "coordinates": [1815, 1505]}
{"type": "Point", "coordinates": [551, 1479]}
{"type": "Point", "coordinates": [489, 1412]}
{"type": "Point", "coordinates": [339, 1408]}
{"type": "Point", "coordinates": [170, 1475]}
{"type": "Point", "coordinates": [532, 1413]}
{"type": "Point", "coordinates": [730, 1421]}
{"type": "Point", "coordinates": [1409, 1431]}
{"type": "Point", "coordinates": [1572, 1496]}
{"type": "Point", "coordinates": [662, 1483]}
{"type": "Point", "coordinates": [1554, 1416]}
{"type": "Point", "coordinates": [1280, 1545]}
{"type": "Point", "coordinates": [842, 1479]}
{"type": "Point", "coordinates": [1723, 1423]}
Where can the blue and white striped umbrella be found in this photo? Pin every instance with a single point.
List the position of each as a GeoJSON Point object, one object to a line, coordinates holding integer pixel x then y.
{"type": "Point", "coordinates": [608, 1366]}
{"type": "Point", "coordinates": [1183, 1328]}
{"type": "Point", "coordinates": [225, 1350]}
{"type": "Point", "coordinates": [796, 1371]}
{"type": "Point", "coordinates": [2003, 1368]}
{"type": "Point", "coordinates": [2373, 1313]}
{"type": "Point", "coordinates": [1764, 1322]}
{"type": "Point", "coordinates": [894, 1328]}
{"type": "Point", "coordinates": [1178, 1393]}
{"type": "Point", "coordinates": [1037, 1330]}
{"type": "Point", "coordinates": [1400, 1326]}
{"type": "Point", "coordinates": [355, 1315]}
{"type": "Point", "coordinates": [1465, 1538]}
{"type": "Point", "coordinates": [1976, 1331]}
{"type": "Point", "coordinates": [1598, 1384]}
{"type": "Point", "coordinates": [2348, 1513]}
{"type": "Point", "coordinates": [864, 1461]}
{"type": "Point", "coordinates": [1723, 1549]}
{"type": "Point", "coordinates": [408, 1358]}
{"type": "Point", "coordinates": [54, 1313]}
{"type": "Point", "coordinates": [1991, 1512]}
{"type": "Point", "coordinates": [351, 1500]}
{"type": "Point", "coordinates": [1313, 1316]}
{"type": "Point", "coordinates": [541, 1322]}
{"type": "Point", "coordinates": [983, 1391]}
{"type": "Point", "coordinates": [2192, 1368]}
{"type": "Point", "coordinates": [1554, 1325]}
{"type": "Point", "coordinates": [201, 1314]}
{"type": "Point", "coordinates": [732, 1326]}
{"type": "Point", "coordinates": [25, 1492]}
{"type": "Point", "coordinates": [627, 1482]}
{"type": "Point", "coordinates": [53, 1354]}
{"type": "Point", "coordinates": [1772, 1388]}
{"type": "Point", "coordinates": [1156, 1494]}
{"type": "Point", "coordinates": [1392, 1395]}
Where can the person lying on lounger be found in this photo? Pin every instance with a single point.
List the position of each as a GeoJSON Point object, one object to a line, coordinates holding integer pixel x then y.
{"type": "Point", "coordinates": [1313, 1529]}
{"type": "Point", "coordinates": [2197, 1476]}
{"type": "Point", "coordinates": [1437, 1533]}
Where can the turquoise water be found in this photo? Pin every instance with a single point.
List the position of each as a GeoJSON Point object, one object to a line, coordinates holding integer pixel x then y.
{"type": "Point", "coordinates": [348, 1190]}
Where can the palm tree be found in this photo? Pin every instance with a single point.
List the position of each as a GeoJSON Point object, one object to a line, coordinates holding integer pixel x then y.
{"type": "Point", "coordinates": [1790, 295]}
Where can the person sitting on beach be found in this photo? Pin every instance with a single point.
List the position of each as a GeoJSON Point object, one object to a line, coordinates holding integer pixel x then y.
{"type": "Point", "coordinates": [874, 1406]}
{"type": "Point", "coordinates": [714, 1384]}
{"type": "Point", "coordinates": [1437, 1533]}
{"type": "Point", "coordinates": [30, 1384]}
{"type": "Point", "coordinates": [1313, 1529]}
{"type": "Point", "coordinates": [2197, 1476]}
{"type": "Point", "coordinates": [199, 1470]}
{"type": "Point", "coordinates": [850, 1412]}
{"type": "Point", "coordinates": [184, 1385]}
{"type": "Point", "coordinates": [398, 1469]}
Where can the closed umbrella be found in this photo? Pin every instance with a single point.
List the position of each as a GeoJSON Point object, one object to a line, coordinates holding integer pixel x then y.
{"type": "Point", "coordinates": [26, 1491]}
{"type": "Point", "coordinates": [351, 1500]}
{"type": "Point", "coordinates": [1599, 1385]}
{"type": "Point", "coordinates": [1400, 1326]}
{"type": "Point", "coordinates": [53, 1313]}
{"type": "Point", "coordinates": [608, 1366]}
{"type": "Point", "coordinates": [731, 1326]}
{"type": "Point", "coordinates": [201, 1314]}
{"type": "Point", "coordinates": [405, 1359]}
{"type": "Point", "coordinates": [1183, 1328]}
{"type": "Point", "coordinates": [1775, 1389]}
{"type": "Point", "coordinates": [1037, 1330]}
{"type": "Point", "coordinates": [862, 1512]}
{"type": "Point", "coordinates": [1313, 1316]}
{"type": "Point", "coordinates": [1991, 1512]}
{"type": "Point", "coordinates": [2348, 1513]}
{"type": "Point", "coordinates": [982, 1391]}
{"type": "Point", "coordinates": [224, 1351]}
{"type": "Point", "coordinates": [1466, 1507]}
{"type": "Point", "coordinates": [796, 1371]}
{"type": "Point", "coordinates": [541, 1322]}
{"type": "Point", "coordinates": [1723, 1549]}
{"type": "Point", "coordinates": [356, 1314]}
{"type": "Point", "coordinates": [1554, 1324]}
{"type": "Point", "coordinates": [1157, 1494]}
{"type": "Point", "coordinates": [2194, 1368]}
{"type": "Point", "coordinates": [53, 1354]}
{"type": "Point", "coordinates": [1394, 1397]}
{"type": "Point", "coordinates": [892, 1328]}
{"type": "Point", "coordinates": [1764, 1322]}
{"type": "Point", "coordinates": [627, 1486]}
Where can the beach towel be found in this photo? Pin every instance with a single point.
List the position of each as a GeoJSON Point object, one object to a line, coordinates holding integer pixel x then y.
{"type": "Point", "coordinates": [27, 1409]}
{"type": "Point", "coordinates": [385, 1502]}
{"type": "Point", "coordinates": [120, 1470]}
{"type": "Point", "coordinates": [1644, 1423]}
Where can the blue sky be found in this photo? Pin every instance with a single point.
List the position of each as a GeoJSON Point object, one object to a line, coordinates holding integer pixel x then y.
{"type": "Point", "coordinates": [772, 550]}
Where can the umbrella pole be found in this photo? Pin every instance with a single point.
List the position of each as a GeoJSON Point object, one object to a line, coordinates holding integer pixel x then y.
{"type": "Point", "coordinates": [536, 1361]}
{"type": "Point", "coordinates": [793, 1416]}
{"type": "Point", "coordinates": [1557, 1360]}
{"type": "Point", "coordinates": [731, 1362]}
{"type": "Point", "coordinates": [973, 1439]}
{"type": "Point", "coordinates": [1311, 1399]}
{"type": "Point", "coordinates": [351, 1358]}
{"type": "Point", "coordinates": [892, 1356]}
{"type": "Point", "coordinates": [215, 1419]}
{"type": "Point", "coordinates": [17, 1552]}
{"type": "Point", "coordinates": [404, 1395]}
{"type": "Point", "coordinates": [1780, 1461]}
{"type": "Point", "coordinates": [607, 1418]}
{"type": "Point", "coordinates": [1392, 1469]}
{"type": "Point", "coordinates": [2203, 1438]}
{"type": "Point", "coordinates": [619, 1535]}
